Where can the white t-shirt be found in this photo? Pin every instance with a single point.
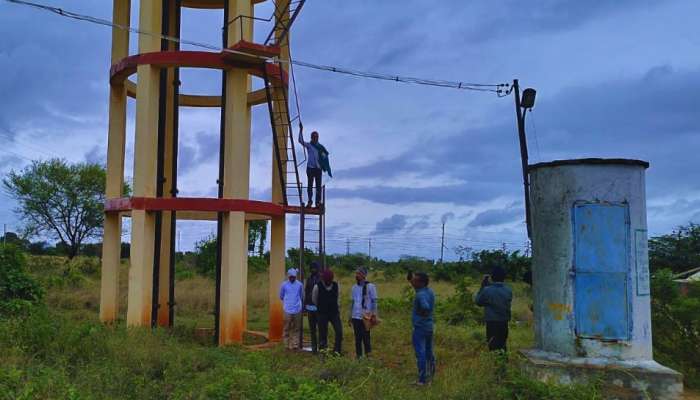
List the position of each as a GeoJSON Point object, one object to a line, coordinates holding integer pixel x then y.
{"type": "Point", "coordinates": [370, 300]}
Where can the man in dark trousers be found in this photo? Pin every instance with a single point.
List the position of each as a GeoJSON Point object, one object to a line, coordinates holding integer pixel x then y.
{"type": "Point", "coordinates": [422, 319]}
{"type": "Point", "coordinates": [327, 299]}
{"type": "Point", "coordinates": [496, 299]}
{"type": "Point", "coordinates": [311, 309]}
{"type": "Point", "coordinates": [316, 163]}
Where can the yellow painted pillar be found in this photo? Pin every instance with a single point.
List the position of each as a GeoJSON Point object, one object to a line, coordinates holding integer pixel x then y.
{"type": "Point", "coordinates": [111, 241]}
{"type": "Point", "coordinates": [145, 150]}
{"type": "Point", "coordinates": [278, 227]}
{"type": "Point", "coordinates": [166, 220]}
{"type": "Point", "coordinates": [234, 255]}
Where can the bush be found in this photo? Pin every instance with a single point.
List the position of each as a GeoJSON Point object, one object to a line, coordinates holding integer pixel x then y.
{"type": "Point", "coordinates": [183, 271]}
{"type": "Point", "coordinates": [460, 308]}
{"type": "Point", "coordinates": [676, 321]}
{"type": "Point", "coordinates": [18, 291]}
{"type": "Point", "coordinates": [86, 265]}
{"type": "Point", "coordinates": [205, 257]}
{"type": "Point", "coordinates": [257, 264]}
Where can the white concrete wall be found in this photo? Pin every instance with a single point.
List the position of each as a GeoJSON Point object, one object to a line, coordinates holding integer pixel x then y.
{"type": "Point", "coordinates": [554, 190]}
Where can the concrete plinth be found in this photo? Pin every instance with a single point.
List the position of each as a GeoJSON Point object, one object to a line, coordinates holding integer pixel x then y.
{"type": "Point", "coordinates": [645, 379]}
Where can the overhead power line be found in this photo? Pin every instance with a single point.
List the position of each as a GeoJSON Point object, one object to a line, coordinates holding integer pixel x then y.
{"type": "Point", "coordinates": [501, 89]}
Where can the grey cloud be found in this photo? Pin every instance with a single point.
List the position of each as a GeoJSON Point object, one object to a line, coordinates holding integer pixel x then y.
{"type": "Point", "coordinates": [96, 155]}
{"type": "Point", "coordinates": [193, 151]}
{"type": "Point", "coordinates": [497, 216]}
{"type": "Point", "coordinates": [419, 225]}
{"type": "Point", "coordinates": [622, 118]}
{"type": "Point", "coordinates": [509, 18]}
{"type": "Point", "coordinates": [456, 194]}
{"type": "Point", "coordinates": [447, 216]}
{"type": "Point", "coordinates": [395, 223]}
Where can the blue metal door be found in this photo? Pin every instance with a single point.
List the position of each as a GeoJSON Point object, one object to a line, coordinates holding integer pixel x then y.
{"type": "Point", "coordinates": [601, 237]}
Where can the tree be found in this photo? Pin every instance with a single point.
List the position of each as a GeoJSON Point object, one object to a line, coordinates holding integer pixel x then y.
{"type": "Point", "coordinates": [676, 322]}
{"type": "Point", "coordinates": [678, 251]}
{"type": "Point", "coordinates": [61, 200]}
{"type": "Point", "coordinates": [14, 239]}
{"type": "Point", "coordinates": [257, 233]}
{"type": "Point", "coordinates": [205, 256]}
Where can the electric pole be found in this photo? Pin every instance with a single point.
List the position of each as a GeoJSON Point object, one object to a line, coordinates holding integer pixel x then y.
{"type": "Point", "coordinates": [442, 243]}
{"type": "Point", "coordinates": [369, 242]}
{"type": "Point", "coordinates": [521, 107]}
{"type": "Point", "coordinates": [347, 247]}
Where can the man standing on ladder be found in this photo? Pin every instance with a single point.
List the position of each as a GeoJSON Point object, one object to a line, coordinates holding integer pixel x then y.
{"type": "Point", "coordinates": [316, 163]}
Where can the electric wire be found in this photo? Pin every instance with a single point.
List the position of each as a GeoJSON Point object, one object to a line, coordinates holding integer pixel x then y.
{"type": "Point", "coordinates": [534, 131]}
{"type": "Point", "coordinates": [501, 89]}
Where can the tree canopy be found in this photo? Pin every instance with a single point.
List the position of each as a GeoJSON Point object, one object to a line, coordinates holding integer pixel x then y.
{"type": "Point", "coordinates": [678, 251]}
{"type": "Point", "coordinates": [60, 200]}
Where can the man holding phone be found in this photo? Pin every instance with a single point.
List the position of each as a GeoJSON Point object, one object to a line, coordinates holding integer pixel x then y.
{"type": "Point", "coordinates": [496, 298]}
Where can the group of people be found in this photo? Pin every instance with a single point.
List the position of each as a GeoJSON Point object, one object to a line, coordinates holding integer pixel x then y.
{"type": "Point", "coordinates": [320, 299]}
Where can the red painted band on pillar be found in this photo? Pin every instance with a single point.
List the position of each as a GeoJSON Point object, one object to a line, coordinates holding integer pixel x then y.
{"type": "Point", "coordinates": [193, 204]}
{"type": "Point", "coordinates": [197, 59]}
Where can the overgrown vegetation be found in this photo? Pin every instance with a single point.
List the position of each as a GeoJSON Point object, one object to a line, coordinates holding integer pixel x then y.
{"type": "Point", "coordinates": [18, 291]}
{"type": "Point", "coordinates": [676, 322]}
{"type": "Point", "coordinates": [678, 251]}
{"type": "Point", "coordinates": [60, 350]}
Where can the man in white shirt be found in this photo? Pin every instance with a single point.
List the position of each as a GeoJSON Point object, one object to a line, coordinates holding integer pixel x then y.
{"type": "Point", "coordinates": [363, 307]}
{"type": "Point", "coordinates": [291, 292]}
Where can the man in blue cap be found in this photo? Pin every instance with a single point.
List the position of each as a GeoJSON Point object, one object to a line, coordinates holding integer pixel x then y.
{"type": "Point", "coordinates": [291, 292]}
{"type": "Point", "coordinates": [496, 299]}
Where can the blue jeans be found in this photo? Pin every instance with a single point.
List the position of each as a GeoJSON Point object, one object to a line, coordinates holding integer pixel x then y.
{"type": "Point", "coordinates": [423, 345]}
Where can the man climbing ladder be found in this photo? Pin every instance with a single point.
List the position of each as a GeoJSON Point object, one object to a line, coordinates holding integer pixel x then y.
{"type": "Point", "coordinates": [316, 163]}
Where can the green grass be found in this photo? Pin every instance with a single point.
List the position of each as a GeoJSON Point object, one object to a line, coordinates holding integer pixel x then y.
{"type": "Point", "coordinates": [62, 351]}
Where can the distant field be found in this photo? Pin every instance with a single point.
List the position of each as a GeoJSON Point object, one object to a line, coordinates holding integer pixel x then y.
{"type": "Point", "coordinates": [64, 352]}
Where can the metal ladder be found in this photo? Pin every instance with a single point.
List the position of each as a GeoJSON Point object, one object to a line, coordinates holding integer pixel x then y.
{"type": "Point", "coordinates": [312, 231]}
{"type": "Point", "coordinates": [287, 166]}
{"type": "Point", "coordinates": [282, 26]}
{"type": "Point", "coordinates": [311, 220]}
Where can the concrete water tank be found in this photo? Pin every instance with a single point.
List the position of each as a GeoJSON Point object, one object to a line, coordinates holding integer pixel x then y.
{"type": "Point", "coordinates": [591, 289]}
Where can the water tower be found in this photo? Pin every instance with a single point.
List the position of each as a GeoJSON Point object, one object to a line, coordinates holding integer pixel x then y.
{"type": "Point", "coordinates": [154, 206]}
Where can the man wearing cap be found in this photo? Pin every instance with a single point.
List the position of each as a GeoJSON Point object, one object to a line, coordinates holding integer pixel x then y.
{"type": "Point", "coordinates": [310, 305]}
{"type": "Point", "coordinates": [327, 299]}
{"type": "Point", "coordinates": [291, 292]}
{"type": "Point", "coordinates": [496, 299]}
{"type": "Point", "coordinates": [363, 311]}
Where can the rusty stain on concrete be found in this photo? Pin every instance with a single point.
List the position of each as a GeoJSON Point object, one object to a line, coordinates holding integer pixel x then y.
{"type": "Point", "coordinates": [559, 311]}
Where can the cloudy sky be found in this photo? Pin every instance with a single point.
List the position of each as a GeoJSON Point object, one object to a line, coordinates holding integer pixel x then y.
{"type": "Point", "coordinates": [614, 79]}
